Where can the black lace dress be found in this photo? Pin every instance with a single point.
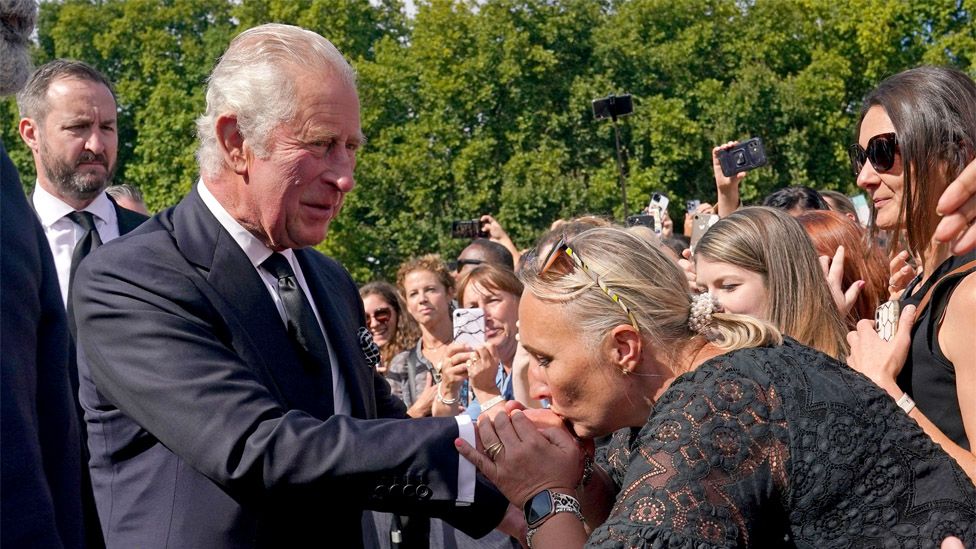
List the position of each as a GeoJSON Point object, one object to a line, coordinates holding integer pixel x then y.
{"type": "Point", "coordinates": [782, 447]}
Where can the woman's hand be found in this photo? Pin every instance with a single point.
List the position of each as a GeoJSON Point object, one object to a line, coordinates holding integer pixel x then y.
{"type": "Point", "coordinates": [833, 269]}
{"type": "Point", "coordinates": [482, 368]}
{"type": "Point", "coordinates": [727, 187]}
{"type": "Point", "coordinates": [424, 402]}
{"type": "Point", "coordinates": [496, 233]}
{"type": "Point", "coordinates": [881, 360]}
{"type": "Point", "coordinates": [901, 273]}
{"type": "Point", "coordinates": [454, 368]}
{"type": "Point", "coordinates": [688, 266]}
{"type": "Point", "coordinates": [521, 460]}
{"type": "Point", "coordinates": [958, 208]}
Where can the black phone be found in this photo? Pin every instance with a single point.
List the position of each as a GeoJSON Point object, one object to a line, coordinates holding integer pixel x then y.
{"type": "Point", "coordinates": [651, 221]}
{"type": "Point", "coordinates": [467, 228]}
{"type": "Point", "coordinates": [745, 156]}
{"type": "Point", "coordinates": [613, 106]}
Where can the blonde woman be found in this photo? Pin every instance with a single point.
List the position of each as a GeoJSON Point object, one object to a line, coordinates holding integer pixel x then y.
{"type": "Point", "coordinates": [728, 435]}
{"type": "Point", "coordinates": [759, 262]}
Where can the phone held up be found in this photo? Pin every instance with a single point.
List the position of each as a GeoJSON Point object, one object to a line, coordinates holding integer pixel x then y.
{"type": "Point", "coordinates": [742, 157]}
{"type": "Point", "coordinates": [886, 319]}
{"type": "Point", "coordinates": [469, 327]}
{"type": "Point", "coordinates": [651, 221]}
{"type": "Point", "coordinates": [700, 223]}
{"type": "Point", "coordinates": [468, 228]}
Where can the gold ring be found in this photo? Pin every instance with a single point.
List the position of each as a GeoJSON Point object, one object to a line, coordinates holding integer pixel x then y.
{"type": "Point", "coordinates": [493, 450]}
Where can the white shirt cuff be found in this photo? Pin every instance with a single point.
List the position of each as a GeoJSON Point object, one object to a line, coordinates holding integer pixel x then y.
{"type": "Point", "coordinates": [466, 470]}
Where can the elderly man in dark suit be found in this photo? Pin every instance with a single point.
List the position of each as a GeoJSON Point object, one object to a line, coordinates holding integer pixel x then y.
{"type": "Point", "coordinates": [229, 398]}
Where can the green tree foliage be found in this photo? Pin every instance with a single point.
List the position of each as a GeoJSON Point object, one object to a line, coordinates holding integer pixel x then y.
{"type": "Point", "coordinates": [484, 106]}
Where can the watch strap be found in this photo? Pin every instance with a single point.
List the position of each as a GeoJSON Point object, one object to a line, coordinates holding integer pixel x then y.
{"type": "Point", "coordinates": [561, 503]}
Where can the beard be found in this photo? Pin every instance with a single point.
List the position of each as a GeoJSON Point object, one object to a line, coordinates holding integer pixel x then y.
{"type": "Point", "coordinates": [72, 183]}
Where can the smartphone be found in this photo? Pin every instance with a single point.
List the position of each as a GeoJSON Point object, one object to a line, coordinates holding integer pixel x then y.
{"type": "Point", "coordinates": [467, 228]}
{"type": "Point", "coordinates": [659, 201]}
{"type": "Point", "coordinates": [700, 223]}
{"type": "Point", "coordinates": [745, 156]}
{"type": "Point", "coordinates": [651, 220]}
{"type": "Point", "coordinates": [886, 319]}
{"type": "Point", "coordinates": [469, 327]}
{"type": "Point", "coordinates": [691, 206]}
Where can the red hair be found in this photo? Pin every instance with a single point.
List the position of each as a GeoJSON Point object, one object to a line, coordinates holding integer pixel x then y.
{"type": "Point", "coordinates": [863, 260]}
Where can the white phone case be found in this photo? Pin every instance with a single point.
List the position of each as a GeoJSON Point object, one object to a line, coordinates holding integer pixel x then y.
{"type": "Point", "coordinates": [886, 319]}
{"type": "Point", "coordinates": [469, 327]}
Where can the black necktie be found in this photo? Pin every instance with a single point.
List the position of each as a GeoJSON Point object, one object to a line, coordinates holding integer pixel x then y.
{"type": "Point", "coordinates": [301, 323]}
{"type": "Point", "coordinates": [89, 241]}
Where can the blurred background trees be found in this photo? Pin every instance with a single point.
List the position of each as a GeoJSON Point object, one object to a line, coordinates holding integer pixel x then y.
{"type": "Point", "coordinates": [478, 107]}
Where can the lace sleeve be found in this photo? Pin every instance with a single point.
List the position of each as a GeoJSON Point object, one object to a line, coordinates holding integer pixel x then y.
{"type": "Point", "coordinates": [709, 466]}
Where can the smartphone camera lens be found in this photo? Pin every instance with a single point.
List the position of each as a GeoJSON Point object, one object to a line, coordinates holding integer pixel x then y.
{"type": "Point", "coordinates": [740, 158]}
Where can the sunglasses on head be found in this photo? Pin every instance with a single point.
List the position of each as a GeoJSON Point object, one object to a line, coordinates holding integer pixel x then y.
{"type": "Point", "coordinates": [383, 314]}
{"type": "Point", "coordinates": [881, 151]}
{"type": "Point", "coordinates": [562, 249]}
{"type": "Point", "coordinates": [460, 263]}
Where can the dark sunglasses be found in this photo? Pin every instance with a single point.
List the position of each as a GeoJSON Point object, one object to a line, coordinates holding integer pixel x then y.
{"type": "Point", "coordinates": [383, 314]}
{"type": "Point", "coordinates": [562, 249]}
{"type": "Point", "coordinates": [881, 151]}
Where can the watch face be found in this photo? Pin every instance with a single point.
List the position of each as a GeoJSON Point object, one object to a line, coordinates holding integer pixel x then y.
{"type": "Point", "coordinates": [538, 508]}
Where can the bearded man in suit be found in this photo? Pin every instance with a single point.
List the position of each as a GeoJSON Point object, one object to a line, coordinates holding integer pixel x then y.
{"type": "Point", "coordinates": [229, 398]}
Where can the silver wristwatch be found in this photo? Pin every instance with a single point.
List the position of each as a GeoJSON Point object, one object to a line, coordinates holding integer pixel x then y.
{"type": "Point", "coordinates": [546, 504]}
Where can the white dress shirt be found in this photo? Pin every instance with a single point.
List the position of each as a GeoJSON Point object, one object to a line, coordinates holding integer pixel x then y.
{"type": "Point", "coordinates": [257, 252]}
{"type": "Point", "coordinates": [63, 234]}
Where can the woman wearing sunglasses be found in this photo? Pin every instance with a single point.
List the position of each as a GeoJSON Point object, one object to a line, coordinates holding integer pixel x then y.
{"type": "Point", "coordinates": [727, 434]}
{"type": "Point", "coordinates": [393, 331]}
{"type": "Point", "coordinates": [916, 133]}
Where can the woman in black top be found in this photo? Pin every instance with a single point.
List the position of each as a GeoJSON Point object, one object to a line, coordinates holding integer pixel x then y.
{"type": "Point", "coordinates": [733, 436]}
{"type": "Point", "coordinates": [916, 133]}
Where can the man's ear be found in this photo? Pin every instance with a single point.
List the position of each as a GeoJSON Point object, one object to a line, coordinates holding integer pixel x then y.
{"type": "Point", "coordinates": [29, 131]}
{"type": "Point", "coordinates": [231, 143]}
{"type": "Point", "coordinates": [626, 348]}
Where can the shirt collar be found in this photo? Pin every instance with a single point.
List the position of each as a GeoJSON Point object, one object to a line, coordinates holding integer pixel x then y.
{"type": "Point", "coordinates": [51, 209]}
{"type": "Point", "coordinates": [255, 250]}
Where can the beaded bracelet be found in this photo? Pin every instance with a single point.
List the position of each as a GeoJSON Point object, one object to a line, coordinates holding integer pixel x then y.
{"type": "Point", "coordinates": [440, 397]}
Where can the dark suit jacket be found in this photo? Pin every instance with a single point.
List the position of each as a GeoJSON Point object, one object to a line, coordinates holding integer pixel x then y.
{"type": "Point", "coordinates": [204, 427]}
{"type": "Point", "coordinates": [39, 445]}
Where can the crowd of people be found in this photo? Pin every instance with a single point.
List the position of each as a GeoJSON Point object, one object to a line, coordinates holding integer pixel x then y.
{"type": "Point", "coordinates": [204, 378]}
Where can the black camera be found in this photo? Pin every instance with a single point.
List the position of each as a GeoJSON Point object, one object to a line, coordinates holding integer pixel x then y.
{"type": "Point", "coordinates": [613, 106]}
{"type": "Point", "coordinates": [651, 221]}
{"type": "Point", "coordinates": [742, 157]}
{"type": "Point", "coordinates": [468, 228]}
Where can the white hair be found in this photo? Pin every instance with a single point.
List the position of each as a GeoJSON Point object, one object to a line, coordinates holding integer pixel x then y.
{"type": "Point", "coordinates": [255, 80]}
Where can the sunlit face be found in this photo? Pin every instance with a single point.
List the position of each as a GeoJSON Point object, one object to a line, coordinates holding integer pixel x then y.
{"type": "Point", "coordinates": [290, 197]}
{"type": "Point", "coordinates": [885, 189]}
{"type": "Point", "coordinates": [76, 144]}
{"type": "Point", "coordinates": [738, 290]}
{"type": "Point", "coordinates": [381, 319]}
{"type": "Point", "coordinates": [501, 315]}
{"type": "Point", "coordinates": [428, 301]}
{"type": "Point", "coordinates": [579, 384]}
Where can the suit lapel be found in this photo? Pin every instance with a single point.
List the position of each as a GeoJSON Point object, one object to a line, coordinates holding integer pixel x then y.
{"type": "Point", "coordinates": [341, 328]}
{"type": "Point", "coordinates": [255, 326]}
{"type": "Point", "coordinates": [128, 220]}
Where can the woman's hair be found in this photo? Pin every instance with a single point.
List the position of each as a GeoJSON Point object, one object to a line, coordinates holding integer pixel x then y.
{"type": "Point", "coordinates": [769, 242]}
{"type": "Point", "coordinates": [652, 286]}
{"type": "Point", "coordinates": [863, 260]}
{"type": "Point", "coordinates": [254, 80]}
{"type": "Point", "coordinates": [796, 197]}
{"type": "Point", "coordinates": [933, 110]}
{"type": "Point", "coordinates": [842, 203]}
{"type": "Point", "coordinates": [491, 277]}
{"type": "Point", "coordinates": [406, 332]}
{"type": "Point", "coordinates": [430, 262]}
